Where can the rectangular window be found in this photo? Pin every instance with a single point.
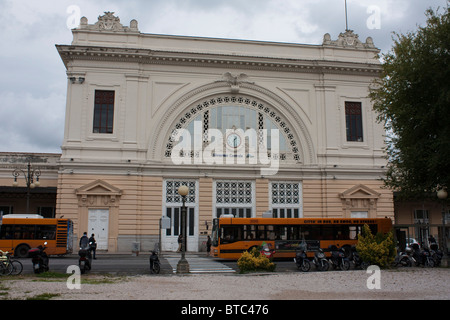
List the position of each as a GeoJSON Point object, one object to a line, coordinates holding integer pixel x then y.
{"type": "Point", "coordinates": [234, 197]}
{"type": "Point", "coordinates": [46, 212]}
{"type": "Point", "coordinates": [353, 119]}
{"type": "Point", "coordinates": [104, 111]}
{"type": "Point", "coordinates": [420, 216]}
{"type": "Point", "coordinates": [286, 198]}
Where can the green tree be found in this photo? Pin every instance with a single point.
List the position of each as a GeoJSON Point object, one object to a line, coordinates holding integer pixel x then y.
{"type": "Point", "coordinates": [378, 250]}
{"type": "Point", "coordinates": [412, 98]}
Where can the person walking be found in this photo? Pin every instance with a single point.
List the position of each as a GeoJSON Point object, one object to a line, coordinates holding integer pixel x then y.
{"type": "Point", "coordinates": [84, 241]}
{"type": "Point", "coordinates": [208, 246]}
{"type": "Point", "coordinates": [180, 241]}
{"type": "Point", "coordinates": [93, 245]}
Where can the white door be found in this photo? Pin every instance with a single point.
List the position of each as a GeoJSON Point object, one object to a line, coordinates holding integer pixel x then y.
{"type": "Point", "coordinates": [98, 225]}
{"type": "Point", "coordinates": [170, 236]}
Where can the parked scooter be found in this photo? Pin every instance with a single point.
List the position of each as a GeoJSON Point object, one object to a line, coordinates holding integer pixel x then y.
{"type": "Point", "coordinates": [155, 265]}
{"type": "Point", "coordinates": [357, 260]}
{"type": "Point", "coordinates": [39, 258]}
{"type": "Point", "coordinates": [436, 254]}
{"type": "Point", "coordinates": [338, 259]}
{"type": "Point", "coordinates": [320, 261]}
{"type": "Point", "coordinates": [403, 259]}
{"type": "Point", "coordinates": [422, 257]}
{"type": "Point", "coordinates": [85, 261]}
{"type": "Point", "coordinates": [301, 260]}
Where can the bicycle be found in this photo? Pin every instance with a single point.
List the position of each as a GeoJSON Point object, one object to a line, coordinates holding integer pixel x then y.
{"type": "Point", "coordinates": [9, 266]}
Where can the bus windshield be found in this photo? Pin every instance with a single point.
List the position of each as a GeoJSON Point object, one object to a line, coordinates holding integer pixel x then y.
{"type": "Point", "coordinates": [215, 233]}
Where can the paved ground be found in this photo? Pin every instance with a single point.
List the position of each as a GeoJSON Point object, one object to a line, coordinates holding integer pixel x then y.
{"type": "Point", "coordinates": [198, 264]}
{"type": "Point", "coordinates": [126, 264]}
{"type": "Point", "coordinates": [234, 288]}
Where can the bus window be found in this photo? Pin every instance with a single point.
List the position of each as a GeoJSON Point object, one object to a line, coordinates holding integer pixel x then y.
{"type": "Point", "coordinates": [249, 232]}
{"type": "Point", "coordinates": [230, 234]}
{"type": "Point", "coordinates": [327, 233]}
{"type": "Point", "coordinates": [280, 232]}
{"type": "Point", "coordinates": [24, 231]}
{"type": "Point", "coordinates": [354, 231]}
{"type": "Point", "coordinates": [6, 231]}
{"type": "Point", "coordinates": [261, 232]}
{"type": "Point", "coordinates": [47, 232]}
{"type": "Point", "coordinates": [343, 232]}
{"type": "Point", "coordinates": [312, 232]}
{"type": "Point", "coordinates": [270, 232]}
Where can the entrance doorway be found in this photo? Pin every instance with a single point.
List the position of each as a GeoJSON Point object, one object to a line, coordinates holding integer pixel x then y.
{"type": "Point", "coordinates": [170, 235]}
{"type": "Point", "coordinates": [98, 224]}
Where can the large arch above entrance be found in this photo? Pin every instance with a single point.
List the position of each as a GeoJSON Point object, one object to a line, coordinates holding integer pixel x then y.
{"type": "Point", "coordinates": [250, 95]}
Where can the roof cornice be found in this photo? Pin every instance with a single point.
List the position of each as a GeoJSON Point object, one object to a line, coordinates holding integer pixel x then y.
{"type": "Point", "coordinates": [70, 53]}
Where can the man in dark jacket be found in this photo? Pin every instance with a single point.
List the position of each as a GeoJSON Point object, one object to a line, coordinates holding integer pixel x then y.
{"type": "Point", "coordinates": [84, 241]}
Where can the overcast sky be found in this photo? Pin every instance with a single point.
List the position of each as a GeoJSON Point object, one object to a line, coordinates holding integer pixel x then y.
{"type": "Point", "coordinates": [33, 81]}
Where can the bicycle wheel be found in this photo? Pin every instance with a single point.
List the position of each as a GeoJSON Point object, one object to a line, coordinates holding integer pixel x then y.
{"type": "Point", "coordinates": [6, 269]}
{"type": "Point", "coordinates": [17, 267]}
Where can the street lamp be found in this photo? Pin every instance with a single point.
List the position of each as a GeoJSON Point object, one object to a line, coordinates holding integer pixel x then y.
{"type": "Point", "coordinates": [183, 265]}
{"type": "Point", "coordinates": [29, 175]}
{"type": "Point", "coordinates": [442, 195]}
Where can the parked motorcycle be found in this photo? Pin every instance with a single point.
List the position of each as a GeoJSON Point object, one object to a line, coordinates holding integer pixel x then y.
{"type": "Point", "coordinates": [357, 260]}
{"type": "Point", "coordinates": [155, 265]}
{"type": "Point", "coordinates": [338, 259]}
{"type": "Point", "coordinates": [39, 258]}
{"type": "Point", "coordinates": [85, 261]}
{"type": "Point", "coordinates": [301, 260]}
{"type": "Point", "coordinates": [320, 261]}
{"type": "Point", "coordinates": [436, 254]}
{"type": "Point", "coordinates": [403, 259]}
{"type": "Point", "coordinates": [422, 256]}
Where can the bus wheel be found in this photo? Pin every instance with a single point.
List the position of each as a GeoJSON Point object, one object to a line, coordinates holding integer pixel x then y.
{"type": "Point", "coordinates": [21, 251]}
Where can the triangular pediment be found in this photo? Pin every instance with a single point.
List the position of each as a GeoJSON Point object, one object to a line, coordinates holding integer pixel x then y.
{"type": "Point", "coordinates": [98, 187]}
{"type": "Point", "coordinates": [360, 192]}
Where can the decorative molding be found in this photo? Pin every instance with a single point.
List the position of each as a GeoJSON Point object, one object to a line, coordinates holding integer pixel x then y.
{"type": "Point", "coordinates": [234, 81]}
{"type": "Point", "coordinates": [98, 193]}
{"type": "Point", "coordinates": [360, 198]}
{"type": "Point", "coordinates": [361, 192]}
{"type": "Point", "coordinates": [108, 22]}
{"type": "Point", "coordinates": [70, 53]}
{"type": "Point", "coordinates": [348, 39]}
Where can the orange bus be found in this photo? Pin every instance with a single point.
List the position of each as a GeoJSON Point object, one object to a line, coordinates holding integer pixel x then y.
{"type": "Point", "coordinates": [21, 232]}
{"type": "Point", "coordinates": [232, 236]}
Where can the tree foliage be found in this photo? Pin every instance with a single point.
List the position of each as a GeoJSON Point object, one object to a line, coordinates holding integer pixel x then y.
{"type": "Point", "coordinates": [412, 98]}
{"type": "Point", "coordinates": [376, 250]}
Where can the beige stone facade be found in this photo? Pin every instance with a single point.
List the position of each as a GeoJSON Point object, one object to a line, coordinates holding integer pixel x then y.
{"type": "Point", "coordinates": [131, 95]}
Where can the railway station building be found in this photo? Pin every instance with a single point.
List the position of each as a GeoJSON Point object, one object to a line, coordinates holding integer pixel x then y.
{"type": "Point", "coordinates": [251, 127]}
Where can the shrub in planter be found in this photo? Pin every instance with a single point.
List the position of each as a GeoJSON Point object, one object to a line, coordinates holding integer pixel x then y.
{"type": "Point", "coordinates": [254, 261]}
{"type": "Point", "coordinates": [376, 250]}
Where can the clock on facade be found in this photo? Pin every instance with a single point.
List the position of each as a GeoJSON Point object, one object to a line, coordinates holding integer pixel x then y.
{"type": "Point", "coordinates": [234, 140]}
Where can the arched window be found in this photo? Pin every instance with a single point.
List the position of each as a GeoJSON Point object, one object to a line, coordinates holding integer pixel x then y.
{"type": "Point", "coordinates": [237, 113]}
